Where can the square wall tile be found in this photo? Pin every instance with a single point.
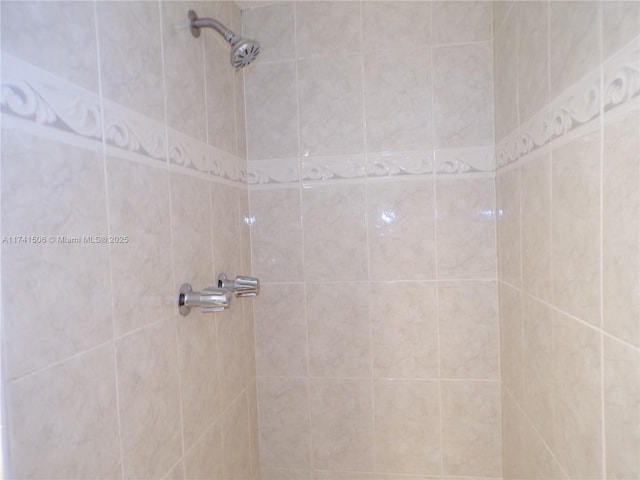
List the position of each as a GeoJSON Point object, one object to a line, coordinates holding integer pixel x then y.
{"type": "Point", "coordinates": [281, 330]}
{"type": "Point", "coordinates": [471, 436]}
{"type": "Point", "coordinates": [342, 424]}
{"type": "Point", "coordinates": [395, 24]}
{"type": "Point", "coordinates": [533, 74]}
{"type": "Point", "coordinates": [509, 218]}
{"type": "Point", "coordinates": [463, 95]}
{"type": "Point", "coordinates": [226, 221]}
{"type": "Point", "coordinates": [574, 52]}
{"type": "Point", "coordinates": [339, 329]}
{"type": "Point", "coordinates": [401, 222]}
{"type": "Point", "coordinates": [506, 76]}
{"type": "Point", "coordinates": [131, 55]}
{"type": "Point", "coordinates": [149, 400]}
{"type": "Point", "coordinates": [330, 102]}
{"type": "Point", "coordinates": [535, 208]}
{"type": "Point", "coordinates": [63, 420]}
{"type": "Point", "coordinates": [469, 330]}
{"type": "Point", "coordinates": [621, 409]}
{"type": "Point", "coordinates": [511, 342]}
{"type": "Point", "coordinates": [274, 26]}
{"type": "Point", "coordinates": [235, 441]}
{"type": "Point", "coordinates": [620, 25]}
{"type": "Point", "coordinates": [405, 340]}
{"type": "Point", "coordinates": [621, 222]}
{"type": "Point", "coordinates": [324, 28]}
{"type": "Point", "coordinates": [466, 228]}
{"type": "Point", "coordinates": [42, 42]}
{"type": "Point", "coordinates": [576, 228]}
{"type": "Point", "coordinates": [514, 455]}
{"type": "Point", "coordinates": [205, 458]}
{"type": "Point", "coordinates": [407, 426]}
{"type": "Point", "coordinates": [397, 101]}
{"type": "Point", "coordinates": [276, 235]}
{"type": "Point", "coordinates": [272, 110]}
{"type": "Point", "coordinates": [184, 70]}
{"type": "Point", "coordinates": [53, 190]}
{"type": "Point", "coordinates": [283, 409]}
{"type": "Point", "coordinates": [461, 22]}
{"type": "Point", "coordinates": [232, 347]}
{"type": "Point", "coordinates": [577, 397]}
{"type": "Point", "coordinates": [142, 270]}
{"type": "Point", "coordinates": [335, 233]}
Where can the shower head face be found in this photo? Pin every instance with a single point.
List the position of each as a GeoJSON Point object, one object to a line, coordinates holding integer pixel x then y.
{"type": "Point", "coordinates": [244, 52]}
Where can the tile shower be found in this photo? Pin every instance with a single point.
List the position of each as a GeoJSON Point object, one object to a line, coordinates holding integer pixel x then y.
{"type": "Point", "coordinates": [440, 198]}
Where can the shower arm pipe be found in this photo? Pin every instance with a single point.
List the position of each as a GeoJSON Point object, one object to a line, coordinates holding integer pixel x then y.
{"type": "Point", "coordinates": [198, 23]}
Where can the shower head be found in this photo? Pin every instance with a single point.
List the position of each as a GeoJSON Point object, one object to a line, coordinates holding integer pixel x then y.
{"type": "Point", "coordinates": [243, 50]}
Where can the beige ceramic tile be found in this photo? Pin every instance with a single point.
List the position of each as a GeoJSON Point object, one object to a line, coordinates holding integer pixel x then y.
{"type": "Point", "coordinates": [539, 379]}
{"type": "Point", "coordinates": [536, 227]}
{"type": "Point", "coordinates": [539, 460]}
{"type": "Point", "coordinates": [505, 59]}
{"type": "Point", "coordinates": [141, 268]}
{"type": "Point", "coordinates": [461, 22]}
{"type": "Point", "coordinates": [621, 409]}
{"type": "Point", "coordinates": [500, 10]}
{"type": "Point", "coordinates": [51, 190]}
{"type": "Point", "coordinates": [395, 24]}
{"type": "Point", "coordinates": [276, 235]}
{"type": "Point", "coordinates": [131, 56]}
{"type": "Point", "coordinates": [205, 458]}
{"type": "Point", "coordinates": [283, 411]}
{"type": "Point", "coordinates": [404, 340]}
{"type": "Point", "coordinates": [621, 252]}
{"type": "Point", "coordinates": [274, 26]}
{"type": "Point", "coordinates": [469, 330]}
{"type": "Point", "coordinates": [463, 95]}
{"type": "Point", "coordinates": [191, 218]}
{"type": "Point", "coordinates": [285, 474]}
{"type": "Point", "coordinates": [401, 227]}
{"type": "Point", "coordinates": [42, 42]}
{"type": "Point", "coordinates": [397, 101]}
{"type": "Point", "coordinates": [219, 84]}
{"type": "Point", "coordinates": [533, 70]}
{"type": "Point", "coordinates": [509, 211]}
{"type": "Point", "coordinates": [407, 425]}
{"type": "Point", "coordinates": [342, 424]}
{"type": "Point", "coordinates": [199, 381]}
{"type": "Point", "coordinates": [335, 233]}
{"type": "Point", "coordinates": [576, 227]}
{"type": "Point", "coordinates": [149, 400]}
{"type": "Point", "coordinates": [231, 353]}
{"type": "Point", "coordinates": [471, 438]}
{"type": "Point", "coordinates": [339, 329]}
{"type": "Point", "coordinates": [236, 443]}
{"type": "Point", "coordinates": [577, 397]}
{"type": "Point", "coordinates": [241, 114]}
{"type": "Point", "coordinates": [330, 103]}
{"type": "Point", "coordinates": [466, 228]}
{"type": "Point", "coordinates": [620, 25]}
{"type": "Point", "coordinates": [227, 248]}
{"type": "Point", "coordinates": [176, 473]}
{"type": "Point", "coordinates": [254, 432]}
{"type": "Point", "coordinates": [574, 52]}
{"type": "Point", "coordinates": [272, 110]}
{"type": "Point", "coordinates": [511, 341]}
{"type": "Point", "coordinates": [184, 70]}
{"type": "Point", "coordinates": [328, 28]}
{"type": "Point", "coordinates": [63, 420]}
{"type": "Point", "coordinates": [514, 455]}
{"type": "Point", "coordinates": [281, 330]}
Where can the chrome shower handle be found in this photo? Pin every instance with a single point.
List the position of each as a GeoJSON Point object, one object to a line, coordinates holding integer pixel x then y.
{"type": "Point", "coordinates": [241, 287]}
{"type": "Point", "coordinates": [210, 299]}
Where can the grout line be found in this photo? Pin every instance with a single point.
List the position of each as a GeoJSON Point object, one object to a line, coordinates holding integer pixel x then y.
{"type": "Point", "coordinates": [299, 187]}
{"type": "Point", "coordinates": [109, 252]}
{"type": "Point", "coordinates": [171, 235]}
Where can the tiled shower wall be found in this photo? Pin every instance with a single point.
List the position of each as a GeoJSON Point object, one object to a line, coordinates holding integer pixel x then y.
{"type": "Point", "coordinates": [568, 152]}
{"type": "Point", "coordinates": [116, 121]}
{"type": "Point", "coordinates": [370, 146]}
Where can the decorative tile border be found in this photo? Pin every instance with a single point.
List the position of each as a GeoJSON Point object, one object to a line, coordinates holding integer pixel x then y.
{"type": "Point", "coordinates": [392, 164]}
{"type": "Point", "coordinates": [44, 104]}
{"type": "Point", "coordinates": [348, 167]}
{"type": "Point", "coordinates": [274, 172]}
{"type": "Point", "coordinates": [605, 89]}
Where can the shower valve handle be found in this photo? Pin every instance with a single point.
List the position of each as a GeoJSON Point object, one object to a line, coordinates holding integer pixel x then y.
{"type": "Point", "coordinates": [241, 287]}
{"type": "Point", "coordinates": [210, 299]}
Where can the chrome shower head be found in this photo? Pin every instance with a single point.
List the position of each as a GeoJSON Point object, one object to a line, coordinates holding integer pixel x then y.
{"type": "Point", "coordinates": [243, 50]}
